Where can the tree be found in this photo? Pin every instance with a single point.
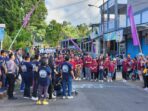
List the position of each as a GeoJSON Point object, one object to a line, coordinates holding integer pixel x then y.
{"type": "Point", "coordinates": [12, 13]}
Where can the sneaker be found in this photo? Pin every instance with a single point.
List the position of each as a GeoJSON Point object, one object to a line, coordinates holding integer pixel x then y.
{"type": "Point", "coordinates": [64, 97]}
{"type": "Point", "coordinates": [34, 98]}
{"type": "Point", "coordinates": [111, 80]}
{"type": "Point", "coordinates": [102, 81]}
{"type": "Point", "coordinates": [12, 98]}
{"type": "Point", "coordinates": [124, 80]}
{"type": "Point", "coordinates": [45, 102]}
{"type": "Point", "coordinates": [84, 78]}
{"type": "Point", "coordinates": [53, 96]}
{"type": "Point", "coordinates": [25, 97]}
{"type": "Point", "coordinates": [21, 91]}
{"type": "Point", "coordinates": [70, 97]}
{"type": "Point", "coordinates": [79, 79]}
{"type": "Point", "coordinates": [38, 102]}
{"type": "Point", "coordinates": [146, 89]}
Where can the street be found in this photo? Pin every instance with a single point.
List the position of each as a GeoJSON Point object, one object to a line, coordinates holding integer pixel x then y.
{"type": "Point", "coordinates": [92, 96]}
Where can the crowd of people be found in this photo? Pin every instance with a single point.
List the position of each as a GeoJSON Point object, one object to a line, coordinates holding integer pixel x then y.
{"type": "Point", "coordinates": [45, 76]}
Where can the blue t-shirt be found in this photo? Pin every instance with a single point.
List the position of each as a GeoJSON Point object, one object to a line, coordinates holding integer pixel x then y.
{"type": "Point", "coordinates": [27, 68]}
{"type": "Point", "coordinates": [44, 73]}
{"type": "Point", "coordinates": [66, 70]}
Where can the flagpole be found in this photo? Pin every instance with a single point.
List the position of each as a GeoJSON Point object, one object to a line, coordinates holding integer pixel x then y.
{"type": "Point", "coordinates": [16, 37]}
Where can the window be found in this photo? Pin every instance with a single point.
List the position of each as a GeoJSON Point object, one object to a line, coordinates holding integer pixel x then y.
{"type": "Point", "coordinates": [137, 19]}
{"type": "Point", "coordinates": [145, 16]}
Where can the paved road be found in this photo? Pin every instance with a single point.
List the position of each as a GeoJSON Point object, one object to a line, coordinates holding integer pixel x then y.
{"type": "Point", "coordinates": [116, 96]}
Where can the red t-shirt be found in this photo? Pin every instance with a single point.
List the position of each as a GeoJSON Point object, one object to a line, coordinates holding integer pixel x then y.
{"type": "Point", "coordinates": [94, 66]}
{"type": "Point", "coordinates": [73, 64]}
{"type": "Point", "coordinates": [125, 66]}
{"type": "Point", "coordinates": [111, 67]}
{"type": "Point", "coordinates": [88, 61]}
{"type": "Point", "coordinates": [107, 64]}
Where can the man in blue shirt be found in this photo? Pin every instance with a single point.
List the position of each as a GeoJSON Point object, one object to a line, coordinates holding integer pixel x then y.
{"type": "Point", "coordinates": [27, 73]}
{"type": "Point", "coordinates": [67, 76]}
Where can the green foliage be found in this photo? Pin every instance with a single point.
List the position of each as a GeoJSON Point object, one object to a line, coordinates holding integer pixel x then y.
{"type": "Point", "coordinates": [12, 13]}
{"type": "Point", "coordinates": [56, 32]}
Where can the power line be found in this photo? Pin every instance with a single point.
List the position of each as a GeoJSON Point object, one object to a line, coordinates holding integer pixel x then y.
{"type": "Point", "coordinates": [68, 5]}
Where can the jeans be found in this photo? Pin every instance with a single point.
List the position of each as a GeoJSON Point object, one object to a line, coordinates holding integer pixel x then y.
{"type": "Point", "coordinates": [22, 86]}
{"type": "Point", "coordinates": [67, 83]}
{"type": "Point", "coordinates": [88, 73]}
{"type": "Point", "coordinates": [101, 72]}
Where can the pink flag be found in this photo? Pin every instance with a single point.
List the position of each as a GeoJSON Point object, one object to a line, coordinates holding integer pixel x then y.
{"type": "Point", "coordinates": [133, 26]}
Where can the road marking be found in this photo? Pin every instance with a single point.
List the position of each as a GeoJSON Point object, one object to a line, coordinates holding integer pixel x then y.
{"type": "Point", "coordinates": [98, 86]}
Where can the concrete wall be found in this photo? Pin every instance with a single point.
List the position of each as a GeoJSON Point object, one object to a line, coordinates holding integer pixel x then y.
{"type": "Point", "coordinates": [138, 5]}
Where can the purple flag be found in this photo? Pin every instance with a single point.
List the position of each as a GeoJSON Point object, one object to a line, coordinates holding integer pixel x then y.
{"type": "Point", "coordinates": [27, 17]}
{"type": "Point", "coordinates": [133, 26]}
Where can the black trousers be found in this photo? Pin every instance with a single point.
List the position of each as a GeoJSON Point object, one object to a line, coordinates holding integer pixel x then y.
{"type": "Point", "coordinates": [11, 84]}
{"type": "Point", "coordinates": [114, 76]}
{"type": "Point", "coordinates": [124, 75]}
{"type": "Point", "coordinates": [51, 88]}
{"type": "Point", "coordinates": [145, 81]}
{"type": "Point", "coordinates": [35, 87]}
{"type": "Point", "coordinates": [28, 84]}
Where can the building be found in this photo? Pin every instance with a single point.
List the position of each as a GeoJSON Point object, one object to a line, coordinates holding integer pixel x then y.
{"type": "Point", "coordinates": [140, 9]}
{"type": "Point", "coordinates": [111, 29]}
{"type": "Point", "coordinates": [115, 33]}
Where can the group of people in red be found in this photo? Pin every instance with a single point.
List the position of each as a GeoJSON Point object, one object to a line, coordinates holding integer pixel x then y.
{"type": "Point", "coordinates": [93, 69]}
{"type": "Point", "coordinates": [104, 68]}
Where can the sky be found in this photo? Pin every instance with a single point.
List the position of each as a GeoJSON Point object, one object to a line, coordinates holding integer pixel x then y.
{"type": "Point", "coordinates": [75, 11]}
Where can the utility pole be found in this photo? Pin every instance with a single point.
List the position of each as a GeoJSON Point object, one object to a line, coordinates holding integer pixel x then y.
{"type": "Point", "coordinates": [103, 27]}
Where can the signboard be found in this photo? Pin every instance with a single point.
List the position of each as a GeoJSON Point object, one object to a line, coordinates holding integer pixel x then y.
{"type": "Point", "coordinates": [47, 51]}
{"type": "Point", "coordinates": [2, 31]}
{"type": "Point", "coordinates": [118, 36]}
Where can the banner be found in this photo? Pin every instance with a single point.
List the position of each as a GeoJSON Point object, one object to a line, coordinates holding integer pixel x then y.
{"type": "Point", "coordinates": [117, 36]}
{"type": "Point", "coordinates": [133, 26]}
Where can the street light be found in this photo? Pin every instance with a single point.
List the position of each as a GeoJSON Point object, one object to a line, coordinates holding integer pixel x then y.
{"type": "Point", "coordinates": [103, 27]}
{"type": "Point", "coordinates": [90, 5]}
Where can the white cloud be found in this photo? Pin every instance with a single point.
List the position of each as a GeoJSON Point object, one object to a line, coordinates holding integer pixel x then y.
{"type": "Point", "coordinates": [76, 14]}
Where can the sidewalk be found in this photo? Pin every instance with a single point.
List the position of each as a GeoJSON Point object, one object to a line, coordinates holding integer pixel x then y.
{"type": "Point", "coordinates": [137, 83]}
